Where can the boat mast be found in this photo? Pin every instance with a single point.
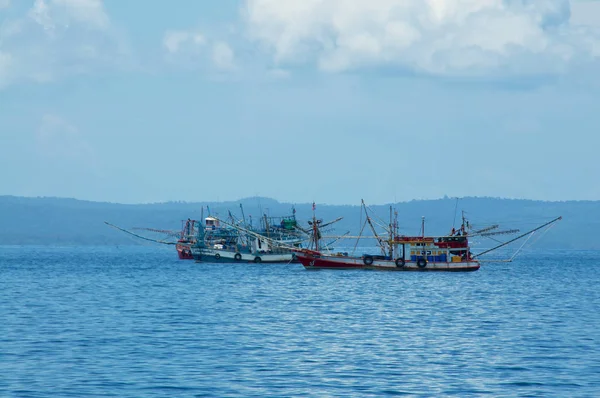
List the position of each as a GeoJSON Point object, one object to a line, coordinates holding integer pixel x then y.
{"type": "Point", "coordinates": [391, 234]}
{"type": "Point", "coordinates": [267, 227]}
{"type": "Point", "coordinates": [381, 244]}
{"type": "Point", "coordinates": [243, 215]}
{"type": "Point", "coordinates": [248, 243]}
{"type": "Point", "coordinates": [396, 230]}
{"type": "Point", "coordinates": [315, 228]}
{"type": "Point", "coordinates": [455, 208]}
{"type": "Point", "coordinates": [201, 234]}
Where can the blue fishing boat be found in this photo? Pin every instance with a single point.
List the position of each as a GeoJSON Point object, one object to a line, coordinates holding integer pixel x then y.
{"type": "Point", "coordinates": [270, 242]}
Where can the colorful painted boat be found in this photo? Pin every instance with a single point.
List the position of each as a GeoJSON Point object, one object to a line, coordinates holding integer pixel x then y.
{"type": "Point", "coordinates": [269, 244]}
{"type": "Point", "coordinates": [316, 260]}
{"type": "Point", "coordinates": [450, 253]}
{"type": "Point", "coordinates": [404, 253]}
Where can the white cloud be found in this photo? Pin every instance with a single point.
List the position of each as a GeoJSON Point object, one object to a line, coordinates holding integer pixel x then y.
{"type": "Point", "coordinates": [223, 56]}
{"type": "Point", "coordinates": [88, 12]}
{"type": "Point", "coordinates": [441, 37]}
{"type": "Point", "coordinates": [40, 14]}
{"type": "Point", "coordinates": [173, 40]}
{"type": "Point", "coordinates": [55, 38]}
{"type": "Point", "coordinates": [52, 14]}
{"type": "Point", "coordinates": [190, 48]}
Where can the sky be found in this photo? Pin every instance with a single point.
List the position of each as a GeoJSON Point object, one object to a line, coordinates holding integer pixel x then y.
{"type": "Point", "coordinates": [300, 100]}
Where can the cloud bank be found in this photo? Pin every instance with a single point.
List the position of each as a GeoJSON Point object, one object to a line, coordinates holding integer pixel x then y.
{"type": "Point", "coordinates": [58, 37]}
{"type": "Point", "coordinates": [438, 37]}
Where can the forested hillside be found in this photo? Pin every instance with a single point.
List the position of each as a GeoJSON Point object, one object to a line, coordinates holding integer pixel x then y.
{"type": "Point", "coordinates": [59, 221]}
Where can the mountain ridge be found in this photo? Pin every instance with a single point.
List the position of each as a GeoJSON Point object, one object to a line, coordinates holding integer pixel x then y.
{"type": "Point", "coordinates": [70, 221]}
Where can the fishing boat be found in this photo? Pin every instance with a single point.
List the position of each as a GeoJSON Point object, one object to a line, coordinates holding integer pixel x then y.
{"type": "Point", "coordinates": [230, 241]}
{"type": "Point", "coordinates": [409, 253]}
{"type": "Point", "coordinates": [235, 241]}
{"type": "Point", "coordinates": [451, 252]}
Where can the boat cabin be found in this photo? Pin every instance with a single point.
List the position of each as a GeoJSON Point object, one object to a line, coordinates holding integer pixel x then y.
{"type": "Point", "coordinates": [211, 223]}
{"type": "Point", "coordinates": [260, 246]}
{"type": "Point", "coordinates": [442, 249]}
{"type": "Point", "coordinates": [452, 242]}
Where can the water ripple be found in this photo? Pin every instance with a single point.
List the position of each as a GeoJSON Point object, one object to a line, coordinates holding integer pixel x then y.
{"type": "Point", "coordinates": [131, 322]}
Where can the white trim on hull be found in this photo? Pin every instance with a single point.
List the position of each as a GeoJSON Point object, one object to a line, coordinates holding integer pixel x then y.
{"type": "Point", "coordinates": [226, 256]}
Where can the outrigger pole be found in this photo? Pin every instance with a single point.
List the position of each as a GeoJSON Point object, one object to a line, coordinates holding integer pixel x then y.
{"type": "Point", "coordinates": [518, 237]}
{"type": "Point", "coordinates": [139, 236]}
{"type": "Point", "coordinates": [176, 234]}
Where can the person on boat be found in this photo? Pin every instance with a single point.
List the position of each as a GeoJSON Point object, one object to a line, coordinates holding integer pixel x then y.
{"type": "Point", "coordinates": [467, 256]}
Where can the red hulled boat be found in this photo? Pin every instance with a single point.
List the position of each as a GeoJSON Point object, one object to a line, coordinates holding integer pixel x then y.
{"type": "Point", "coordinates": [406, 253]}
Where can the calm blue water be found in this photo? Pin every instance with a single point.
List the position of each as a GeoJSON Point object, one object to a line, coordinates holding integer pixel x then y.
{"type": "Point", "coordinates": [137, 322]}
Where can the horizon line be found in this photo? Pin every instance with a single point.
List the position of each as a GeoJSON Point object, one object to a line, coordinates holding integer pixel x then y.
{"type": "Point", "coordinates": [309, 203]}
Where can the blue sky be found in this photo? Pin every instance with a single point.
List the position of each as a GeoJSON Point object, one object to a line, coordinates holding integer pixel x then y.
{"type": "Point", "coordinates": [326, 100]}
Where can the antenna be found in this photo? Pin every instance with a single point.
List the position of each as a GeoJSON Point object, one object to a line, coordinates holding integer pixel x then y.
{"type": "Point", "coordinates": [455, 208]}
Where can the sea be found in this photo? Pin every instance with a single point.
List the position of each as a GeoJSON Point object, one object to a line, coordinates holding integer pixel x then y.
{"type": "Point", "coordinates": [135, 321]}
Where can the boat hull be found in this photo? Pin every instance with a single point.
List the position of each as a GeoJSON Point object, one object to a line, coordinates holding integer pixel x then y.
{"type": "Point", "coordinates": [184, 251]}
{"type": "Point", "coordinates": [226, 256]}
{"type": "Point", "coordinates": [315, 262]}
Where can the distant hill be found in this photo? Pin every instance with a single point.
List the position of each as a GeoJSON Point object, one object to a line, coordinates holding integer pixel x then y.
{"type": "Point", "coordinates": [61, 221]}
